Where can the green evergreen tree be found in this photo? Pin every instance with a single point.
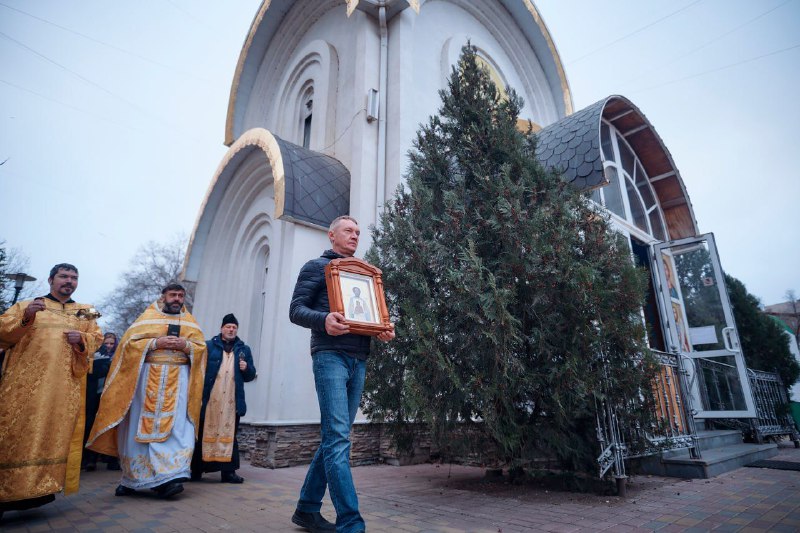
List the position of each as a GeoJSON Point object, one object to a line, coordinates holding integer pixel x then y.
{"type": "Point", "coordinates": [517, 309]}
{"type": "Point", "coordinates": [764, 344]}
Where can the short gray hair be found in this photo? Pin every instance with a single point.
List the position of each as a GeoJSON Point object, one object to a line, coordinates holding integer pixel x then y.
{"type": "Point", "coordinates": [336, 221]}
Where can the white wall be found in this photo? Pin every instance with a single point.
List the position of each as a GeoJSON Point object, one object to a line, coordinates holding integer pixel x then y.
{"type": "Point", "coordinates": [287, 393]}
{"type": "Point", "coordinates": [244, 240]}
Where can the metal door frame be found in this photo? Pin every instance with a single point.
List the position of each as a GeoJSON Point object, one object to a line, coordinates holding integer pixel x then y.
{"type": "Point", "coordinates": [730, 336]}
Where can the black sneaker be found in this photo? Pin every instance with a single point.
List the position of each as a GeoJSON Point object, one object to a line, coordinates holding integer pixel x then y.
{"type": "Point", "coordinates": [313, 522]}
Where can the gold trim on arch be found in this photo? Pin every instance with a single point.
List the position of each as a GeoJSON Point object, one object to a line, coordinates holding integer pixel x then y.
{"type": "Point", "coordinates": [568, 110]}
{"type": "Point", "coordinates": [263, 139]}
{"type": "Point", "coordinates": [237, 76]}
{"type": "Point", "coordinates": [353, 4]}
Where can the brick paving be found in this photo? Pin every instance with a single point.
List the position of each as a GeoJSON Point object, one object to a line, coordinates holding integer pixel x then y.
{"type": "Point", "coordinates": [435, 498]}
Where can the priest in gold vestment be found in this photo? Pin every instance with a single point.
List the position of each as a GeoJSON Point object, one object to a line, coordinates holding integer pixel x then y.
{"type": "Point", "coordinates": [149, 410]}
{"type": "Point", "coordinates": [50, 342]}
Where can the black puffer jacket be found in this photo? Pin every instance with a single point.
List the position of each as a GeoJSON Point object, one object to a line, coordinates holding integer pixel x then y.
{"type": "Point", "coordinates": [310, 306]}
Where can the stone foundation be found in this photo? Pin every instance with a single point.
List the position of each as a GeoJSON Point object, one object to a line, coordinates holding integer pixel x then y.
{"type": "Point", "coordinates": [279, 446]}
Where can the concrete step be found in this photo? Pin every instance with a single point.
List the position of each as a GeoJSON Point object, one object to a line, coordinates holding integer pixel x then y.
{"type": "Point", "coordinates": [714, 461]}
{"type": "Point", "coordinates": [708, 439]}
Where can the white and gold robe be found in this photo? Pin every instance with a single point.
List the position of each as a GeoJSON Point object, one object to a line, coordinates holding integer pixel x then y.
{"type": "Point", "coordinates": [148, 414]}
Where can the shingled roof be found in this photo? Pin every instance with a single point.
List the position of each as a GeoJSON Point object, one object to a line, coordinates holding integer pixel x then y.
{"type": "Point", "coordinates": [317, 186]}
{"type": "Point", "coordinates": [572, 146]}
{"type": "Point", "coordinates": [309, 187]}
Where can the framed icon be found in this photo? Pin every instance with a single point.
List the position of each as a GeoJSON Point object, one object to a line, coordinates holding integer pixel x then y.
{"type": "Point", "coordinates": [355, 289]}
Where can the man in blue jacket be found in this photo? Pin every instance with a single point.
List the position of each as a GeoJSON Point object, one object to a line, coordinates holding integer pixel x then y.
{"type": "Point", "coordinates": [339, 361]}
{"type": "Point", "coordinates": [229, 366]}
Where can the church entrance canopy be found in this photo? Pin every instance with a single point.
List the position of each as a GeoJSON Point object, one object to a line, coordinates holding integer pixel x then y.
{"type": "Point", "coordinates": [573, 145]}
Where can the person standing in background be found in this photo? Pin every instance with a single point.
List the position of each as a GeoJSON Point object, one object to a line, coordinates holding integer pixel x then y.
{"type": "Point", "coordinates": [94, 389]}
{"type": "Point", "coordinates": [230, 366]}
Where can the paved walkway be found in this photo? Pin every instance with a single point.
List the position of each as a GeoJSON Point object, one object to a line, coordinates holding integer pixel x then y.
{"type": "Point", "coordinates": [435, 498]}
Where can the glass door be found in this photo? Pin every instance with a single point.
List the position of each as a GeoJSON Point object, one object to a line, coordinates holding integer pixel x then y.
{"type": "Point", "coordinates": [697, 312]}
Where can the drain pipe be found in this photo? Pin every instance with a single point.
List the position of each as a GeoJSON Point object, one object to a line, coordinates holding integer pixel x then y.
{"type": "Point", "coordinates": [380, 193]}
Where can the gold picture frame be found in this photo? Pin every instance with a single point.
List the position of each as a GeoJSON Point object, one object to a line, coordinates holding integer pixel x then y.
{"type": "Point", "coordinates": [355, 289]}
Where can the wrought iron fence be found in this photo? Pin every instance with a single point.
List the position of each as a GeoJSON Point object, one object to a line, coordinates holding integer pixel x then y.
{"type": "Point", "coordinates": [772, 407]}
{"type": "Point", "coordinates": [672, 429]}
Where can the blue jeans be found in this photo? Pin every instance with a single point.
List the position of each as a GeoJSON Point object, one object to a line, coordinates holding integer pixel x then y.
{"type": "Point", "coordinates": [339, 380]}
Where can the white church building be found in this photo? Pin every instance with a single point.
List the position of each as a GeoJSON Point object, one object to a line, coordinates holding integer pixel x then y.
{"type": "Point", "coordinates": [326, 100]}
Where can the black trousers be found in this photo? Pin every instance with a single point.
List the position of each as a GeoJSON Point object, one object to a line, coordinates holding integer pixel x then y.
{"type": "Point", "coordinates": [199, 466]}
{"type": "Point", "coordinates": [92, 403]}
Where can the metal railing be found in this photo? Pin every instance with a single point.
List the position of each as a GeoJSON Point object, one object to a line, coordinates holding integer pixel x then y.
{"type": "Point", "coordinates": [772, 407]}
{"type": "Point", "coordinates": [672, 429]}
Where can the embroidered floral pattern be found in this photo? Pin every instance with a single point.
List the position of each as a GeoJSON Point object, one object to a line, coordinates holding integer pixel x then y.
{"type": "Point", "coordinates": [155, 465]}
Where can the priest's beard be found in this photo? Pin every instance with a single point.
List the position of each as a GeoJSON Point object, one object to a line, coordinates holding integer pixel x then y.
{"type": "Point", "coordinates": [172, 308]}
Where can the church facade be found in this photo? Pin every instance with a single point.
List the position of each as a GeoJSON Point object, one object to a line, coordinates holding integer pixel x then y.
{"type": "Point", "coordinates": [324, 106]}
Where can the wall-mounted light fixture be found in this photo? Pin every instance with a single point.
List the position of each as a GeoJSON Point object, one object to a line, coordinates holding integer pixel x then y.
{"type": "Point", "coordinates": [372, 105]}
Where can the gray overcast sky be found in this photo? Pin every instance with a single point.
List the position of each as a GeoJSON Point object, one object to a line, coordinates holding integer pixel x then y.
{"type": "Point", "coordinates": [113, 116]}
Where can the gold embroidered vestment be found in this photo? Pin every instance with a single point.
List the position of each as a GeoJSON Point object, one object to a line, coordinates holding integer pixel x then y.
{"type": "Point", "coordinates": [42, 395]}
{"type": "Point", "coordinates": [219, 426]}
{"type": "Point", "coordinates": [137, 347]}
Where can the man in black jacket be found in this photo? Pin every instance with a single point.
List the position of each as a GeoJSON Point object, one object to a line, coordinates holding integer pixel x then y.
{"type": "Point", "coordinates": [339, 363]}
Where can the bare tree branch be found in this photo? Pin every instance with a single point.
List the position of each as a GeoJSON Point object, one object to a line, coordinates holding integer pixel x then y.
{"type": "Point", "coordinates": [12, 261]}
{"type": "Point", "coordinates": [152, 267]}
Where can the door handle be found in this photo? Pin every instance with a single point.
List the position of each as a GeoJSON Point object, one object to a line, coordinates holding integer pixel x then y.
{"type": "Point", "coordinates": [729, 339]}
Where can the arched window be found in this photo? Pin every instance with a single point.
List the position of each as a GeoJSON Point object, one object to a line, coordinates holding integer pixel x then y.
{"type": "Point", "coordinates": [306, 114]}
{"type": "Point", "coordinates": [305, 111]}
{"type": "Point", "coordinates": [485, 62]}
{"type": "Point", "coordinates": [628, 195]}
